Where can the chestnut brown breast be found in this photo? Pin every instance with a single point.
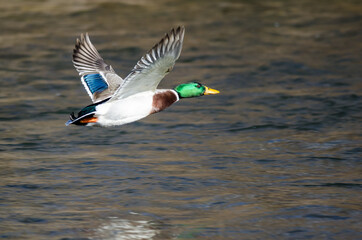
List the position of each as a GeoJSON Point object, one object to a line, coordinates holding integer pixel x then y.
{"type": "Point", "coordinates": [163, 100]}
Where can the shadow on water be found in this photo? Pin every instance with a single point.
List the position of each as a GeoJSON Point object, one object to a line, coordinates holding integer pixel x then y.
{"type": "Point", "coordinates": [276, 155]}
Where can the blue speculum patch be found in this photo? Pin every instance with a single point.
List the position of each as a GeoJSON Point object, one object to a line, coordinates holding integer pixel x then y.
{"type": "Point", "coordinates": [95, 82]}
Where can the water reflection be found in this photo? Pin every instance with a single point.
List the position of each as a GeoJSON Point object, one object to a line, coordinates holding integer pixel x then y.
{"type": "Point", "coordinates": [123, 229]}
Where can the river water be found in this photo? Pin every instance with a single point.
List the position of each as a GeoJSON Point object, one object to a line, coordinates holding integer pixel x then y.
{"type": "Point", "coordinates": [276, 155]}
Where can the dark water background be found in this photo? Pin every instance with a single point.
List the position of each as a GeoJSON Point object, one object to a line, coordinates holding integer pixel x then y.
{"type": "Point", "coordinates": [276, 155]}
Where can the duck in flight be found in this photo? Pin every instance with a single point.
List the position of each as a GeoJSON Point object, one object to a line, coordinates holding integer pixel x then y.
{"type": "Point", "coordinates": [118, 101]}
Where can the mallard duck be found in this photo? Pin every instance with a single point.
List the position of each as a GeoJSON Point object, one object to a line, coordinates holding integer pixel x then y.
{"type": "Point", "coordinates": [118, 101]}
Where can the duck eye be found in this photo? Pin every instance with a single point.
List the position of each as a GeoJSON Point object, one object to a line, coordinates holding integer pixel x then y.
{"type": "Point", "coordinates": [198, 85]}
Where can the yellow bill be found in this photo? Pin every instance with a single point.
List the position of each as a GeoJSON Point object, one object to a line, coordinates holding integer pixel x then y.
{"type": "Point", "coordinates": [209, 91]}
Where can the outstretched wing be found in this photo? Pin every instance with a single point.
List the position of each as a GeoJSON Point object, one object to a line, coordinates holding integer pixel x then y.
{"type": "Point", "coordinates": [153, 66]}
{"type": "Point", "coordinates": [98, 78]}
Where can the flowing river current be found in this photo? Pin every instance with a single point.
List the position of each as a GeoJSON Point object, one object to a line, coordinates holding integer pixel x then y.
{"type": "Point", "coordinates": [275, 155]}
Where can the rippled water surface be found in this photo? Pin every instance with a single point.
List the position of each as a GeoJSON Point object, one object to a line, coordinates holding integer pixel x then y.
{"type": "Point", "coordinates": [276, 155]}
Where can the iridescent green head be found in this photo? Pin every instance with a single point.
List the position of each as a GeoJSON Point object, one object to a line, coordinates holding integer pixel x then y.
{"type": "Point", "coordinates": [194, 89]}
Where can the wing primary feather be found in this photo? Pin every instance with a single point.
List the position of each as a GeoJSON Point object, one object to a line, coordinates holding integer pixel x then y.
{"type": "Point", "coordinates": [153, 55]}
{"type": "Point", "coordinates": [79, 50]}
{"type": "Point", "coordinates": [85, 54]}
{"type": "Point", "coordinates": [83, 46]}
{"type": "Point", "coordinates": [87, 60]}
{"type": "Point", "coordinates": [91, 46]}
{"type": "Point", "coordinates": [171, 40]}
{"type": "Point", "coordinates": [82, 52]}
{"type": "Point", "coordinates": [164, 45]}
{"type": "Point", "coordinates": [144, 61]}
{"type": "Point", "coordinates": [148, 56]}
{"type": "Point", "coordinates": [88, 47]}
{"type": "Point", "coordinates": [153, 66]}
